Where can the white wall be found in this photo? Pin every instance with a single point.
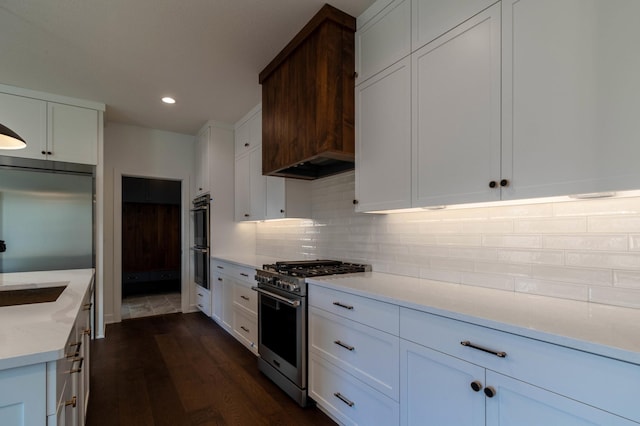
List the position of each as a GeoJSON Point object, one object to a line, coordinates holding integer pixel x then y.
{"type": "Point", "coordinates": [584, 250]}
{"type": "Point", "coordinates": [137, 151]}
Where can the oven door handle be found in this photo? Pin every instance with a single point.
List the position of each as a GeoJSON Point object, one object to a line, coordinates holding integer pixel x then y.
{"type": "Point", "coordinates": [199, 249]}
{"type": "Point", "coordinates": [294, 303]}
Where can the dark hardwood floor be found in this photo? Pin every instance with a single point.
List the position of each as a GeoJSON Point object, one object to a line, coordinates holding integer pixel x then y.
{"type": "Point", "coordinates": [183, 369]}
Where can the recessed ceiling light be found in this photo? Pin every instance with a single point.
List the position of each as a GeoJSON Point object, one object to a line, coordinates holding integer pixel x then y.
{"type": "Point", "coordinates": [168, 100]}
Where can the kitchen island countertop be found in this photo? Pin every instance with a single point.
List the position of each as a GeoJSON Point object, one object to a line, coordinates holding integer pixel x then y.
{"type": "Point", "coordinates": [37, 332]}
{"type": "Point", "coordinates": [605, 330]}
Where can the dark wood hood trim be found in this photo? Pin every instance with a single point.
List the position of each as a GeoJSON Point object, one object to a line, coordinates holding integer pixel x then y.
{"type": "Point", "coordinates": [326, 13]}
{"type": "Point", "coordinates": [308, 106]}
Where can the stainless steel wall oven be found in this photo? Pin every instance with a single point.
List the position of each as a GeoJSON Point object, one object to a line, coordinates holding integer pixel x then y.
{"type": "Point", "coordinates": [200, 249]}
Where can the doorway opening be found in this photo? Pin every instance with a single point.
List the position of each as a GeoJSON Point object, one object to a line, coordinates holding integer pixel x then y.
{"type": "Point", "coordinates": [151, 247]}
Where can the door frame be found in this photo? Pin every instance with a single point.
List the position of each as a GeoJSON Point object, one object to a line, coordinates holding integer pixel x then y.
{"type": "Point", "coordinates": [117, 236]}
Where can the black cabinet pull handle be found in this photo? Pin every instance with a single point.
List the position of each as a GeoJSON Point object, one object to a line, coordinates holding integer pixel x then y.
{"type": "Point", "coordinates": [344, 345]}
{"type": "Point", "coordinates": [483, 349]}
{"type": "Point", "coordinates": [244, 297]}
{"type": "Point", "coordinates": [344, 399]}
{"type": "Point", "coordinates": [490, 391]}
{"type": "Point", "coordinates": [246, 215]}
{"type": "Point", "coordinates": [219, 279]}
{"type": "Point", "coordinates": [244, 328]}
{"type": "Point", "coordinates": [246, 144]}
{"type": "Point", "coordinates": [476, 386]}
{"type": "Point", "coordinates": [244, 275]}
{"type": "Point", "coordinates": [343, 306]}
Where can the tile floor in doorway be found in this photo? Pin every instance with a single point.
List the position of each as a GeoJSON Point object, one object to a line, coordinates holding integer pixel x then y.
{"type": "Point", "coordinates": [150, 304]}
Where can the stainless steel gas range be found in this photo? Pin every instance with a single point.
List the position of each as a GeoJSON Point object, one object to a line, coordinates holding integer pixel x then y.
{"type": "Point", "coordinates": [282, 319]}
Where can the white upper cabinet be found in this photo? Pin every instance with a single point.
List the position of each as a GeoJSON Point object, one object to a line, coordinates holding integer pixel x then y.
{"type": "Point", "coordinates": [72, 134]}
{"type": "Point", "coordinates": [288, 198]}
{"type": "Point", "coordinates": [456, 114]}
{"type": "Point", "coordinates": [383, 37]}
{"type": "Point", "coordinates": [28, 118]}
{"type": "Point", "coordinates": [432, 18]}
{"type": "Point", "coordinates": [383, 139]}
{"type": "Point", "coordinates": [53, 130]}
{"type": "Point", "coordinates": [201, 184]}
{"type": "Point", "coordinates": [571, 96]}
{"type": "Point", "coordinates": [249, 133]}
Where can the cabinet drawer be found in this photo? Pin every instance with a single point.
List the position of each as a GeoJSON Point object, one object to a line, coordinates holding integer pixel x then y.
{"type": "Point", "coordinates": [245, 328]}
{"type": "Point", "coordinates": [368, 354]}
{"type": "Point", "coordinates": [347, 399]}
{"type": "Point", "coordinates": [245, 297]}
{"type": "Point", "coordinates": [244, 274]}
{"type": "Point", "coordinates": [203, 300]}
{"type": "Point", "coordinates": [572, 373]}
{"type": "Point", "coordinates": [376, 314]}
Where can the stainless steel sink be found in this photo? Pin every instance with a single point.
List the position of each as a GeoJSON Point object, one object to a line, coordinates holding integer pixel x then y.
{"type": "Point", "coordinates": [27, 296]}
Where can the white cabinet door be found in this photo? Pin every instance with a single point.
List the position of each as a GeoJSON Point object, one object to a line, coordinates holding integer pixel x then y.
{"type": "Point", "coordinates": [258, 185]}
{"type": "Point", "coordinates": [287, 198]}
{"type": "Point", "coordinates": [72, 134]}
{"type": "Point", "coordinates": [28, 118]}
{"type": "Point", "coordinates": [571, 96]}
{"type": "Point", "coordinates": [227, 304]}
{"type": "Point", "coordinates": [383, 140]}
{"type": "Point", "coordinates": [250, 187]}
{"type": "Point", "coordinates": [432, 18]}
{"type": "Point", "coordinates": [519, 403]}
{"type": "Point", "coordinates": [456, 114]}
{"type": "Point", "coordinates": [383, 37]}
{"type": "Point", "coordinates": [202, 162]}
{"type": "Point", "coordinates": [435, 388]}
{"type": "Point", "coordinates": [217, 298]}
{"type": "Point", "coordinates": [249, 134]}
{"type": "Point", "coordinates": [23, 396]}
{"type": "Point", "coordinates": [242, 184]}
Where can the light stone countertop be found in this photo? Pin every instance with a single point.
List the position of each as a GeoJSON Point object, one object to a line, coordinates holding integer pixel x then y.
{"type": "Point", "coordinates": [38, 332]}
{"type": "Point", "coordinates": [600, 329]}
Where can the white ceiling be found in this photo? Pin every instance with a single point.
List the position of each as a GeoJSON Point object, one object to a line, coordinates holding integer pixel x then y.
{"type": "Point", "coordinates": [129, 53]}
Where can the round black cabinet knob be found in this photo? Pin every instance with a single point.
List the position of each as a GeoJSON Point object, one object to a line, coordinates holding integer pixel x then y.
{"type": "Point", "coordinates": [490, 391]}
{"type": "Point", "coordinates": [355, 202]}
{"type": "Point", "coordinates": [504, 182]}
{"type": "Point", "coordinates": [44, 152]}
{"type": "Point", "coordinates": [476, 386]}
{"type": "Point", "coordinates": [281, 210]}
{"type": "Point", "coordinates": [492, 184]}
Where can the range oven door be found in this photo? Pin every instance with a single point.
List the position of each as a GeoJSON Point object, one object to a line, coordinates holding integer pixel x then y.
{"type": "Point", "coordinates": [282, 333]}
{"type": "Point", "coordinates": [201, 266]}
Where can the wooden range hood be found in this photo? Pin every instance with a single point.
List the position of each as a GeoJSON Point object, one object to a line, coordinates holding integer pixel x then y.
{"type": "Point", "coordinates": [308, 100]}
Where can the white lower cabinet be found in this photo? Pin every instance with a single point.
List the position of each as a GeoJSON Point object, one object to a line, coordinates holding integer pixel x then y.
{"type": "Point", "coordinates": [53, 393]}
{"type": "Point", "coordinates": [203, 300]}
{"type": "Point", "coordinates": [353, 364]}
{"type": "Point", "coordinates": [453, 372]}
{"type": "Point", "coordinates": [436, 388]}
{"type": "Point", "coordinates": [235, 305]}
{"type": "Point", "coordinates": [346, 398]}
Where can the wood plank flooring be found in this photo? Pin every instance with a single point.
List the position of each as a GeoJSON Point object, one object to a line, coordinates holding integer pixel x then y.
{"type": "Point", "coordinates": [183, 369]}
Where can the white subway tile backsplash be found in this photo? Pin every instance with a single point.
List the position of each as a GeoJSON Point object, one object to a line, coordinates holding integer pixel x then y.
{"type": "Point", "coordinates": [515, 241]}
{"type": "Point", "coordinates": [626, 279]}
{"type": "Point", "coordinates": [551, 226]}
{"type": "Point", "coordinates": [552, 288]}
{"type": "Point", "coordinates": [616, 242]}
{"type": "Point", "coordinates": [614, 224]}
{"type": "Point", "coordinates": [532, 256]}
{"type": "Point", "coordinates": [583, 249]}
{"type": "Point", "coordinates": [500, 282]}
{"type": "Point", "coordinates": [615, 296]}
{"type": "Point", "coordinates": [604, 260]}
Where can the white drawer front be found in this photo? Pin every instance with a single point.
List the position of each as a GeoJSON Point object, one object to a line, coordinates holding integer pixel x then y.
{"type": "Point", "coordinates": [380, 315]}
{"type": "Point", "coordinates": [602, 382]}
{"type": "Point", "coordinates": [245, 328]}
{"type": "Point", "coordinates": [347, 399]}
{"type": "Point", "coordinates": [240, 273]}
{"type": "Point", "coordinates": [245, 297]}
{"type": "Point", "coordinates": [370, 355]}
{"type": "Point", "coordinates": [203, 300]}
